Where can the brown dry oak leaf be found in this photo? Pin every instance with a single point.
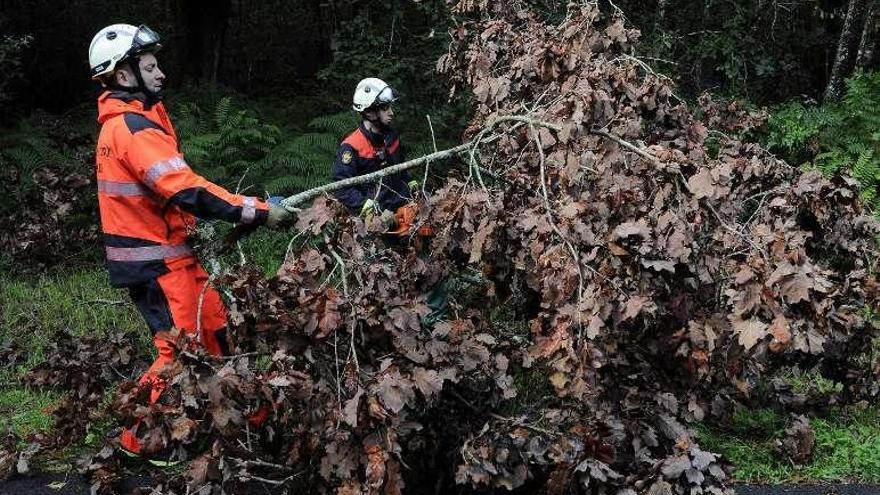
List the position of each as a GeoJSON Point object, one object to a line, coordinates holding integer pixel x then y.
{"type": "Point", "coordinates": [749, 332]}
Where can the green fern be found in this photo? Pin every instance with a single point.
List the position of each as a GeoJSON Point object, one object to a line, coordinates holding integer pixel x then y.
{"type": "Point", "coordinates": [337, 124]}
{"type": "Point", "coordinates": [836, 136]}
{"type": "Point", "coordinates": [225, 146]}
{"type": "Point", "coordinates": [22, 154]}
{"type": "Point", "coordinates": [235, 142]}
{"type": "Point", "coordinates": [221, 112]}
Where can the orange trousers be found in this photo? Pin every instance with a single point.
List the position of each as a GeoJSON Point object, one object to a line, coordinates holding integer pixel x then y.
{"type": "Point", "coordinates": [172, 300]}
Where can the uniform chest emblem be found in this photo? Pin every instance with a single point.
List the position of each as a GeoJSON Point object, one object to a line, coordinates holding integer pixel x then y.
{"type": "Point", "coordinates": [346, 157]}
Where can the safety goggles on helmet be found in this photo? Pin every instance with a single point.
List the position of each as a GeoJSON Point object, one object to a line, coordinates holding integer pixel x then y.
{"type": "Point", "coordinates": [386, 97]}
{"type": "Point", "coordinates": [145, 39]}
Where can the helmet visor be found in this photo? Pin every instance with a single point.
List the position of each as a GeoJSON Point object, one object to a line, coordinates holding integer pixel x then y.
{"type": "Point", "coordinates": [144, 39]}
{"type": "Point", "coordinates": [387, 96]}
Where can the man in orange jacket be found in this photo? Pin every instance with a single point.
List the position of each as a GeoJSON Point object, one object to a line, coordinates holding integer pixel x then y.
{"type": "Point", "coordinates": [149, 200]}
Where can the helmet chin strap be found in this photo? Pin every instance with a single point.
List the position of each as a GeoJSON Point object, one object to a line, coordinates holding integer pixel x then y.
{"type": "Point", "coordinates": [375, 121]}
{"type": "Point", "coordinates": [151, 97]}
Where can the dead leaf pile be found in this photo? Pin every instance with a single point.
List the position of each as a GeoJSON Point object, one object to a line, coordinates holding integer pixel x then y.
{"type": "Point", "coordinates": [658, 283]}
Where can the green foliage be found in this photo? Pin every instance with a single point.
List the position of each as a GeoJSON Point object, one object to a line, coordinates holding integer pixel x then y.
{"type": "Point", "coordinates": [850, 446]}
{"type": "Point", "coordinates": [809, 382]}
{"type": "Point", "coordinates": [38, 142]}
{"type": "Point", "coordinates": [11, 49]}
{"type": "Point", "coordinates": [390, 39]}
{"type": "Point", "coordinates": [25, 412]}
{"type": "Point", "coordinates": [232, 145]}
{"type": "Point", "coordinates": [835, 136]}
{"type": "Point", "coordinates": [45, 165]}
{"type": "Point", "coordinates": [758, 423]}
{"type": "Point", "coordinates": [303, 162]}
{"type": "Point", "coordinates": [81, 301]}
{"type": "Point", "coordinates": [223, 145]}
{"type": "Point", "coordinates": [399, 42]}
{"type": "Point", "coordinates": [264, 248]}
{"type": "Point", "coordinates": [25, 154]}
{"type": "Point", "coordinates": [754, 49]}
{"type": "Point", "coordinates": [847, 447]}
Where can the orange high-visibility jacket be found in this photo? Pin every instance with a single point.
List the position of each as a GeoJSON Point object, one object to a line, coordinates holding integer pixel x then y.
{"type": "Point", "coordinates": [148, 196]}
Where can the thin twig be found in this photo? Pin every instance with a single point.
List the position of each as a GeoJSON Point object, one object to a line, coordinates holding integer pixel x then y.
{"type": "Point", "coordinates": [517, 422]}
{"type": "Point", "coordinates": [248, 476]}
{"type": "Point", "coordinates": [463, 400]}
{"type": "Point", "coordinates": [195, 357]}
{"type": "Point", "coordinates": [242, 355]}
{"type": "Point", "coordinates": [626, 144]}
{"type": "Point", "coordinates": [290, 244]}
{"type": "Point", "coordinates": [353, 352]}
{"type": "Point", "coordinates": [473, 169]}
{"type": "Point", "coordinates": [338, 380]}
{"type": "Point", "coordinates": [238, 186]}
{"type": "Point", "coordinates": [260, 463]}
{"type": "Point", "coordinates": [341, 264]}
{"type": "Point", "coordinates": [734, 231]}
{"type": "Point", "coordinates": [109, 302]}
{"type": "Point", "coordinates": [201, 303]}
{"type": "Point", "coordinates": [241, 258]}
{"type": "Point", "coordinates": [549, 214]}
{"type": "Point", "coordinates": [754, 213]}
{"type": "Point", "coordinates": [428, 165]}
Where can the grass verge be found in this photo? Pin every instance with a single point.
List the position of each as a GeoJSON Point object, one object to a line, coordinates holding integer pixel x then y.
{"type": "Point", "coordinates": [32, 309]}
{"type": "Point", "coordinates": [81, 302]}
{"type": "Point", "coordinates": [26, 411]}
{"type": "Point", "coordinates": [847, 447]}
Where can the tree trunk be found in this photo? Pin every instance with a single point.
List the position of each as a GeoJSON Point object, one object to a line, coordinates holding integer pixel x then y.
{"type": "Point", "coordinates": [847, 49]}
{"type": "Point", "coordinates": [868, 43]}
{"type": "Point", "coordinates": [205, 24]}
{"type": "Point", "coordinates": [661, 13]}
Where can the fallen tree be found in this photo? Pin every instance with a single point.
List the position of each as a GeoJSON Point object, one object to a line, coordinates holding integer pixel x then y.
{"type": "Point", "coordinates": [658, 270]}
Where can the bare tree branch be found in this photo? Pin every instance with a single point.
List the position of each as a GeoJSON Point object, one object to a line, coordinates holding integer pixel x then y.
{"type": "Point", "coordinates": [293, 201]}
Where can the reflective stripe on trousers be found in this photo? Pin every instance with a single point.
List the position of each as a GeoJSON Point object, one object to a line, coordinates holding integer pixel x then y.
{"type": "Point", "coordinates": [146, 253]}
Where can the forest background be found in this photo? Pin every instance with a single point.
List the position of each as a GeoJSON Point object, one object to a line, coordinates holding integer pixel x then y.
{"type": "Point", "coordinates": [260, 91]}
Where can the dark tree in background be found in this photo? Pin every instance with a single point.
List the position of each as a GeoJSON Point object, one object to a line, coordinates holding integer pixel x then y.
{"type": "Point", "coordinates": [847, 47]}
{"type": "Point", "coordinates": [261, 48]}
{"type": "Point", "coordinates": [856, 45]}
{"type": "Point", "coordinates": [868, 41]}
{"type": "Point", "coordinates": [205, 23]}
{"type": "Point", "coordinates": [764, 50]}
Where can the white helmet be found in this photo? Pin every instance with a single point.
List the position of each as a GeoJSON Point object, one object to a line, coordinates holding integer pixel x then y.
{"type": "Point", "coordinates": [118, 42]}
{"type": "Point", "coordinates": [372, 92]}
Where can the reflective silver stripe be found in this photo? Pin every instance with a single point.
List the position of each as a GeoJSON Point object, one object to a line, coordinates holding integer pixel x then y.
{"type": "Point", "coordinates": [158, 169]}
{"type": "Point", "coordinates": [146, 253]}
{"type": "Point", "coordinates": [122, 188]}
{"type": "Point", "coordinates": [248, 210]}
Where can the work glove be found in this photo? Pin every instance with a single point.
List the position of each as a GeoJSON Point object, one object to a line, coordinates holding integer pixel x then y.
{"type": "Point", "coordinates": [277, 215]}
{"type": "Point", "coordinates": [413, 185]}
{"type": "Point", "coordinates": [369, 209]}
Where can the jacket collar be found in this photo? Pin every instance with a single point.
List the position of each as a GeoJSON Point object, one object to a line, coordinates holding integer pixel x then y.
{"type": "Point", "coordinates": [113, 103]}
{"type": "Point", "coordinates": [376, 138]}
